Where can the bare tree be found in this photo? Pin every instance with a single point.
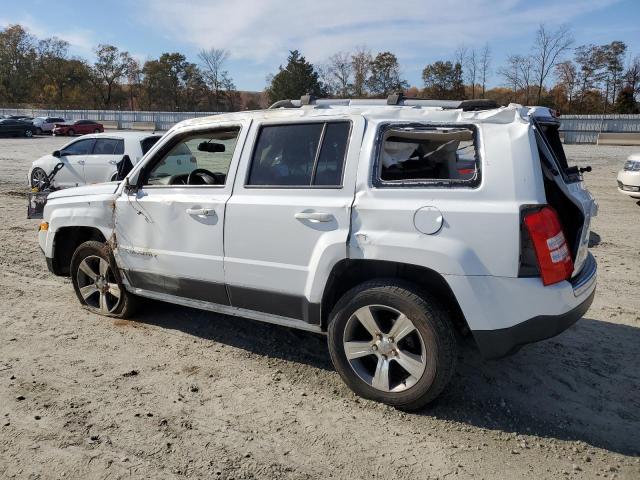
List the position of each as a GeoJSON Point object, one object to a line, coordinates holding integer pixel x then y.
{"type": "Point", "coordinates": [471, 64]}
{"type": "Point", "coordinates": [548, 48]}
{"type": "Point", "coordinates": [485, 65]}
{"type": "Point", "coordinates": [340, 73]}
{"type": "Point", "coordinates": [567, 76]}
{"type": "Point", "coordinates": [212, 62]}
{"type": "Point", "coordinates": [613, 57]}
{"type": "Point", "coordinates": [518, 74]}
{"type": "Point", "coordinates": [361, 63]}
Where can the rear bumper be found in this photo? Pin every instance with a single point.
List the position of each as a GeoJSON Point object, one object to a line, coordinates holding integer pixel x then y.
{"type": "Point", "coordinates": [505, 313]}
{"type": "Point", "coordinates": [505, 341]}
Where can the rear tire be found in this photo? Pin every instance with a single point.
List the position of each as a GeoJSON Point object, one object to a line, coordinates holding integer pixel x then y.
{"type": "Point", "coordinates": [97, 282]}
{"type": "Point", "coordinates": [97, 130]}
{"type": "Point", "coordinates": [392, 344]}
{"type": "Point", "coordinates": [28, 133]}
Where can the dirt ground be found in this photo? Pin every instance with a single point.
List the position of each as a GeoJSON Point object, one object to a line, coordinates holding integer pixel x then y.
{"type": "Point", "coordinates": [185, 393]}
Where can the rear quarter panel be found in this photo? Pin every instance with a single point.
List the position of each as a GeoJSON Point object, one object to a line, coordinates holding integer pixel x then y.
{"type": "Point", "coordinates": [481, 226]}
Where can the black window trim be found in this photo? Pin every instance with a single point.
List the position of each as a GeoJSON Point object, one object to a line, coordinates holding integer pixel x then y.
{"type": "Point", "coordinates": [436, 183]}
{"type": "Point", "coordinates": [172, 142]}
{"type": "Point", "coordinates": [315, 162]}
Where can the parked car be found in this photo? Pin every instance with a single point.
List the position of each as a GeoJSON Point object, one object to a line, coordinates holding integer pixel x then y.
{"type": "Point", "coordinates": [16, 128]}
{"type": "Point", "coordinates": [93, 159]}
{"type": "Point", "coordinates": [46, 124]}
{"type": "Point", "coordinates": [350, 218]}
{"type": "Point", "coordinates": [629, 177]}
{"type": "Point", "coordinates": [26, 118]}
{"type": "Point", "coordinates": [78, 127]}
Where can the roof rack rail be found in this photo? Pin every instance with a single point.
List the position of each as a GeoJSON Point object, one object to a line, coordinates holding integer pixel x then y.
{"type": "Point", "coordinates": [393, 99]}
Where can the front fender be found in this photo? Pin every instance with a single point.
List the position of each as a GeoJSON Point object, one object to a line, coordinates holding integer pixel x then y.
{"type": "Point", "coordinates": [95, 211]}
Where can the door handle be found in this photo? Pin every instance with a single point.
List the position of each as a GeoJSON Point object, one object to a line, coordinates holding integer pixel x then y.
{"type": "Point", "coordinates": [207, 212]}
{"type": "Point", "coordinates": [314, 216]}
{"type": "Point", "coordinates": [113, 162]}
{"type": "Point", "coordinates": [80, 162]}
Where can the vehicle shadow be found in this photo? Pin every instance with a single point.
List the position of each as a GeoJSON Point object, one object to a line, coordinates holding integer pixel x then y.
{"type": "Point", "coordinates": [582, 385]}
{"type": "Point", "coordinates": [594, 239]}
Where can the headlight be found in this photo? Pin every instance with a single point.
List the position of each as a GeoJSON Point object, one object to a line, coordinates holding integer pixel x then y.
{"type": "Point", "coordinates": [632, 165]}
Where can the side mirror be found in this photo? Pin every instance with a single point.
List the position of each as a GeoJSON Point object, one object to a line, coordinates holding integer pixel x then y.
{"type": "Point", "coordinates": [128, 188]}
{"type": "Point", "coordinates": [56, 153]}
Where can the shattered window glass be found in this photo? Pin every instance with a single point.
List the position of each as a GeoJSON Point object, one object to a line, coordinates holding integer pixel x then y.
{"type": "Point", "coordinates": [428, 155]}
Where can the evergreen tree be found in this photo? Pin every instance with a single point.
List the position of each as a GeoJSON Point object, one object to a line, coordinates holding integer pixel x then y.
{"type": "Point", "coordinates": [298, 78]}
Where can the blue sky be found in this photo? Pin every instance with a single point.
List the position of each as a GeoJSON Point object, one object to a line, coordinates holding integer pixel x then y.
{"type": "Point", "coordinates": [259, 33]}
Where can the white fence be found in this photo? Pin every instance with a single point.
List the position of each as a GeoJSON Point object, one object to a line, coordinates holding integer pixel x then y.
{"type": "Point", "coordinates": [586, 128]}
{"type": "Point", "coordinates": [121, 119]}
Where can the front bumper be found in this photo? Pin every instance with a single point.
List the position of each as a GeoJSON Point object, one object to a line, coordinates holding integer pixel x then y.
{"type": "Point", "coordinates": [505, 341]}
{"type": "Point", "coordinates": [629, 183]}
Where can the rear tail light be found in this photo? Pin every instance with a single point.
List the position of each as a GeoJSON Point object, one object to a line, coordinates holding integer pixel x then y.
{"type": "Point", "coordinates": [550, 245]}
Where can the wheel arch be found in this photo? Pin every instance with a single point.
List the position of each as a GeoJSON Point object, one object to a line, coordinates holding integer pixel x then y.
{"type": "Point", "coordinates": [65, 242]}
{"type": "Point", "coordinates": [349, 273]}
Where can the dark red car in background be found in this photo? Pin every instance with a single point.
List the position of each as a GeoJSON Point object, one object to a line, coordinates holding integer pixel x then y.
{"type": "Point", "coordinates": [78, 127]}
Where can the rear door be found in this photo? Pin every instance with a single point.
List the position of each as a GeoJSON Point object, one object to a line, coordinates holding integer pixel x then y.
{"type": "Point", "coordinates": [100, 165]}
{"type": "Point", "coordinates": [288, 219]}
{"type": "Point", "coordinates": [73, 157]}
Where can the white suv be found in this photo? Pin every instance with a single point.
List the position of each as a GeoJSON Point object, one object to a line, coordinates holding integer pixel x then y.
{"type": "Point", "coordinates": [391, 226]}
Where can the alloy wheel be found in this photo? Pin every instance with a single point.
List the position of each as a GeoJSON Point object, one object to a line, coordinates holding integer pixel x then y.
{"type": "Point", "coordinates": [97, 284]}
{"type": "Point", "coordinates": [384, 348]}
{"type": "Point", "coordinates": [38, 179]}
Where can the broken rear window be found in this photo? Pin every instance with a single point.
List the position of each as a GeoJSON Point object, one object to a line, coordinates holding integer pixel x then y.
{"type": "Point", "coordinates": [419, 155]}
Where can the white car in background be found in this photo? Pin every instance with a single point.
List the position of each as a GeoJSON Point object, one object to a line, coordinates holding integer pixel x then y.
{"type": "Point", "coordinates": [94, 159]}
{"type": "Point", "coordinates": [629, 177]}
{"type": "Point", "coordinates": [46, 124]}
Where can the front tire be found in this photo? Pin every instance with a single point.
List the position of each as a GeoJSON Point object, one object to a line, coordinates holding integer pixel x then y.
{"type": "Point", "coordinates": [38, 178]}
{"type": "Point", "coordinates": [392, 344]}
{"type": "Point", "coordinates": [97, 281]}
{"type": "Point", "coordinates": [28, 133]}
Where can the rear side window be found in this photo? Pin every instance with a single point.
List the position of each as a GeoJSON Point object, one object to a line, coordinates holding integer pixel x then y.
{"type": "Point", "coordinates": [300, 155]}
{"type": "Point", "coordinates": [419, 155]}
{"type": "Point", "coordinates": [119, 149]}
{"type": "Point", "coordinates": [106, 146]}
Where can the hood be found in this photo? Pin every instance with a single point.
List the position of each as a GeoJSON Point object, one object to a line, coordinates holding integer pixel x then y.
{"type": "Point", "coordinates": [95, 189]}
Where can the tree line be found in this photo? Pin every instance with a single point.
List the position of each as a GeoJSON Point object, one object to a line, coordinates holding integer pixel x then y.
{"type": "Point", "coordinates": [554, 72]}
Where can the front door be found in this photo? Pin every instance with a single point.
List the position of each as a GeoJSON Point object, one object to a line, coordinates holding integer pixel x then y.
{"type": "Point", "coordinates": [169, 234]}
{"type": "Point", "coordinates": [73, 157]}
{"type": "Point", "coordinates": [288, 218]}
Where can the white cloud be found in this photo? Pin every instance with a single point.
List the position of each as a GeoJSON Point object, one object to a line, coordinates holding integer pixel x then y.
{"type": "Point", "coordinates": [263, 30]}
{"type": "Point", "coordinates": [81, 41]}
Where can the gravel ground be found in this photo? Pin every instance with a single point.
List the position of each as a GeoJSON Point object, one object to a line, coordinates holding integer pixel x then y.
{"type": "Point", "coordinates": [184, 393]}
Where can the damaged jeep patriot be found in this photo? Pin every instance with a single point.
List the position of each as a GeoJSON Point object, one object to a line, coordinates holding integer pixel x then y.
{"type": "Point", "coordinates": [392, 226]}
